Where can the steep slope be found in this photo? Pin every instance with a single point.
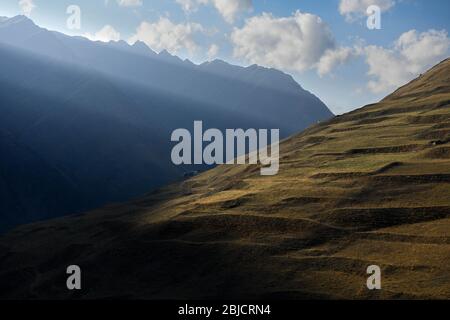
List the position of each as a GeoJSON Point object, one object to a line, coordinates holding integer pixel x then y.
{"type": "Point", "coordinates": [98, 117]}
{"type": "Point", "coordinates": [369, 187]}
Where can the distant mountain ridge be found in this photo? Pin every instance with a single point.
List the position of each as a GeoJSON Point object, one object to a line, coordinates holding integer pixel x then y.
{"type": "Point", "coordinates": [98, 116]}
{"type": "Point", "coordinates": [217, 83]}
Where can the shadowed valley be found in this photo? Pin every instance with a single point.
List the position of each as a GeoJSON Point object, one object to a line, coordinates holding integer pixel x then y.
{"type": "Point", "coordinates": [85, 123]}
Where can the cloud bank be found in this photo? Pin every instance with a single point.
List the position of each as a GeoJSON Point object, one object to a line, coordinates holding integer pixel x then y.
{"type": "Point", "coordinates": [164, 34]}
{"type": "Point", "coordinates": [106, 34]}
{"type": "Point", "coordinates": [294, 43]}
{"type": "Point", "coordinates": [229, 9]}
{"type": "Point", "coordinates": [412, 54]}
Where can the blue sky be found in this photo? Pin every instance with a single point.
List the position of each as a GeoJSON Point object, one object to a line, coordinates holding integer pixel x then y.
{"type": "Point", "coordinates": [325, 45]}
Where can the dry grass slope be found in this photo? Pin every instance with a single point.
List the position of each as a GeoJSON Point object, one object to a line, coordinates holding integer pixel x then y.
{"type": "Point", "coordinates": [368, 187]}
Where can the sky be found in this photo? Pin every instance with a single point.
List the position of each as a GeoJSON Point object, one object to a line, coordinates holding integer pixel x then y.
{"type": "Point", "coordinates": [326, 45]}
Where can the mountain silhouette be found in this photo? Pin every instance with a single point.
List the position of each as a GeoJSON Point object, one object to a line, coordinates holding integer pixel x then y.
{"type": "Point", "coordinates": [88, 123]}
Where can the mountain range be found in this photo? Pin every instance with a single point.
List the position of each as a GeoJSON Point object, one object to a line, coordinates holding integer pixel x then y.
{"type": "Point", "coordinates": [370, 187]}
{"type": "Point", "coordinates": [88, 123]}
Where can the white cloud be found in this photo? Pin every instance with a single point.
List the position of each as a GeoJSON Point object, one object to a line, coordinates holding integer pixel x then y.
{"type": "Point", "coordinates": [27, 6]}
{"type": "Point", "coordinates": [294, 43]}
{"type": "Point", "coordinates": [354, 9]}
{"type": "Point", "coordinates": [213, 51]}
{"type": "Point", "coordinates": [424, 48]}
{"type": "Point", "coordinates": [129, 3]}
{"type": "Point", "coordinates": [189, 6]}
{"type": "Point", "coordinates": [229, 9]}
{"type": "Point", "coordinates": [412, 54]}
{"type": "Point", "coordinates": [164, 34]}
{"type": "Point", "coordinates": [333, 58]}
{"type": "Point", "coordinates": [106, 34]}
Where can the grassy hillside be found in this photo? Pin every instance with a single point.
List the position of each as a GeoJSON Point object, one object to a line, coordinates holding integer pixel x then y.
{"type": "Point", "coordinates": [368, 187]}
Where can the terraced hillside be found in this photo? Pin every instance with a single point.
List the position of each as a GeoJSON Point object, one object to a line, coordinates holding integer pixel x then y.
{"type": "Point", "coordinates": [368, 187]}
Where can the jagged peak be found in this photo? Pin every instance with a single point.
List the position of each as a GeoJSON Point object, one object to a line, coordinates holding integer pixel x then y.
{"type": "Point", "coordinates": [140, 45]}
{"type": "Point", "coordinates": [167, 56]}
{"type": "Point", "coordinates": [19, 19]}
{"type": "Point", "coordinates": [218, 62]}
{"type": "Point", "coordinates": [165, 53]}
{"type": "Point", "coordinates": [120, 43]}
{"type": "Point", "coordinates": [254, 66]}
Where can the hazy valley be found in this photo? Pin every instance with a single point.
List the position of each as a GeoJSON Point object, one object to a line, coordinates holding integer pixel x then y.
{"type": "Point", "coordinates": [88, 123]}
